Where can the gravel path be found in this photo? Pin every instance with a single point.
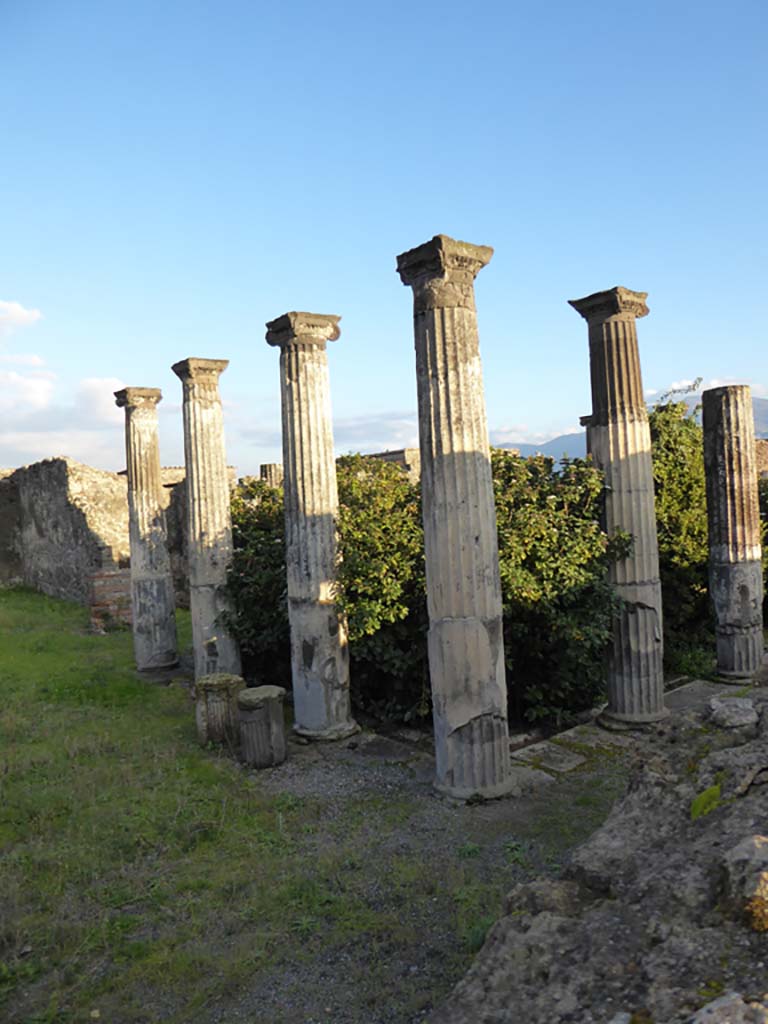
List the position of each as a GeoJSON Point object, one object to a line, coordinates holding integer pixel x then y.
{"type": "Point", "coordinates": [433, 872]}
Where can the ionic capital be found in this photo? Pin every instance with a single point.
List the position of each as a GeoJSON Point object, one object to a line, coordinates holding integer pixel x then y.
{"type": "Point", "coordinates": [442, 272]}
{"type": "Point", "coordinates": [138, 398]}
{"type": "Point", "coordinates": [617, 302]}
{"type": "Point", "coordinates": [303, 329]}
{"type": "Point", "coordinates": [200, 371]}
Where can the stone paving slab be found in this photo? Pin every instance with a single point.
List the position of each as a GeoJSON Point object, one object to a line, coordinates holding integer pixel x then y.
{"type": "Point", "coordinates": [593, 736]}
{"type": "Point", "coordinates": [549, 756]}
{"type": "Point", "coordinates": [528, 780]}
{"type": "Point", "coordinates": [697, 694]}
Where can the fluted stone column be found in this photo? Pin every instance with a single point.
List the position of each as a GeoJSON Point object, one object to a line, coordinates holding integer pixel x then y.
{"type": "Point", "coordinates": [271, 473]}
{"type": "Point", "coordinates": [319, 651]}
{"type": "Point", "coordinates": [619, 440]}
{"type": "Point", "coordinates": [209, 525]}
{"type": "Point", "coordinates": [735, 555]}
{"type": "Point", "coordinates": [153, 602]}
{"type": "Point", "coordinates": [465, 642]}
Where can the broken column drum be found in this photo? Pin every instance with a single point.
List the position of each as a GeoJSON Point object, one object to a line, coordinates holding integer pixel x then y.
{"type": "Point", "coordinates": [735, 554]}
{"type": "Point", "coordinates": [619, 440]}
{"type": "Point", "coordinates": [465, 642]}
{"type": "Point", "coordinates": [209, 524]}
{"type": "Point", "coordinates": [262, 732]}
{"type": "Point", "coordinates": [319, 649]}
{"type": "Point", "coordinates": [152, 596]}
{"type": "Point", "coordinates": [216, 714]}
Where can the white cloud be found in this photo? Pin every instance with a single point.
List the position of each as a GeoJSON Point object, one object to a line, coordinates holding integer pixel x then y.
{"type": "Point", "coordinates": [379, 432]}
{"type": "Point", "coordinates": [384, 431]}
{"type": "Point", "coordinates": [95, 396]}
{"type": "Point", "coordinates": [23, 393]}
{"type": "Point", "coordinates": [13, 315]}
{"type": "Point", "coordinates": [521, 434]}
{"type": "Point", "coordinates": [94, 448]}
{"type": "Point", "coordinates": [21, 359]}
{"type": "Point", "coordinates": [34, 425]}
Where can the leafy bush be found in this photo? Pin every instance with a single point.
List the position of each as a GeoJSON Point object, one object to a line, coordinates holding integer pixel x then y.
{"type": "Point", "coordinates": [257, 582]}
{"type": "Point", "coordinates": [681, 518]}
{"type": "Point", "coordinates": [381, 586]}
{"type": "Point", "coordinates": [558, 608]}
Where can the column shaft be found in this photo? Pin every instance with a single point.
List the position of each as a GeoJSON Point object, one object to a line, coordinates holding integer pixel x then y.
{"type": "Point", "coordinates": [152, 593]}
{"type": "Point", "coordinates": [619, 441]}
{"type": "Point", "coordinates": [209, 524]}
{"type": "Point", "coordinates": [319, 649]}
{"type": "Point", "coordinates": [271, 473]}
{"type": "Point", "coordinates": [735, 554]}
{"type": "Point", "coordinates": [466, 649]}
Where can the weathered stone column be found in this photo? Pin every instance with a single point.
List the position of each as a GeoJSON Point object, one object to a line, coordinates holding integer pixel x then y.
{"type": "Point", "coordinates": [209, 525]}
{"type": "Point", "coordinates": [152, 597]}
{"type": "Point", "coordinates": [319, 651]}
{"type": "Point", "coordinates": [271, 473]}
{"type": "Point", "coordinates": [735, 555]}
{"type": "Point", "coordinates": [466, 649]}
{"type": "Point", "coordinates": [619, 440]}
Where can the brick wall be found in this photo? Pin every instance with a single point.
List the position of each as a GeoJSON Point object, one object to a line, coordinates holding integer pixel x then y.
{"type": "Point", "coordinates": [109, 596]}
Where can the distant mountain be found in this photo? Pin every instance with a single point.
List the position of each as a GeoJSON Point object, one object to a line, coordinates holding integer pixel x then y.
{"type": "Point", "coordinates": [572, 445]}
{"type": "Point", "coordinates": [575, 445]}
{"type": "Point", "coordinates": [759, 408]}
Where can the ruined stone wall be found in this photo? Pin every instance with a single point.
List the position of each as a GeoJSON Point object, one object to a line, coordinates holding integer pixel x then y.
{"type": "Point", "coordinates": [408, 458]}
{"type": "Point", "coordinates": [59, 522]}
{"type": "Point", "coordinates": [10, 563]}
{"type": "Point", "coordinates": [62, 524]}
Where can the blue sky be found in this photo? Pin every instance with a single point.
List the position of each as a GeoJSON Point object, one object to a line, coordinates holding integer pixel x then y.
{"type": "Point", "coordinates": [173, 174]}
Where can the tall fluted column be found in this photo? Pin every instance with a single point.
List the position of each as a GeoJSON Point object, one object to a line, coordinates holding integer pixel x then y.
{"type": "Point", "coordinates": [209, 525]}
{"type": "Point", "coordinates": [619, 440]}
{"type": "Point", "coordinates": [735, 554]}
{"type": "Point", "coordinates": [466, 648]}
{"type": "Point", "coordinates": [153, 603]}
{"type": "Point", "coordinates": [319, 651]}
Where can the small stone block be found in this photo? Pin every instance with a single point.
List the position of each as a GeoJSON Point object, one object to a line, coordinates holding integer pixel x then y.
{"type": "Point", "coordinates": [550, 757]}
{"type": "Point", "coordinates": [216, 707]}
{"type": "Point", "coordinates": [262, 729]}
{"type": "Point", "coordinates": [255, 696]}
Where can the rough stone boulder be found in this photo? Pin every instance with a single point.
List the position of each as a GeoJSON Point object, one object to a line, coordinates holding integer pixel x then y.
{"type": "Point", "coordinates": [661, 917]}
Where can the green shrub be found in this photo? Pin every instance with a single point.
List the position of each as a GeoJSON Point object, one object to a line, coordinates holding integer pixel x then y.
{"type": "Point", "coordinates": [558, 607]}
{"type": "Point", "coordinates": [381, 587]}
{"type": "Point", "coordinates": [257, 582]}
{"type": "Point", "coordinates": [681, 518]}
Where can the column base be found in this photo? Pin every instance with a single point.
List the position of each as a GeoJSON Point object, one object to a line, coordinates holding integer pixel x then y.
{"type": "Point", "coordinates": [509, 787]}
{"type": "Point", "coordinates": [333, 733]}
{"type": "Point", "coordinates": [736, 678]}
{"type": "Point", "coordinates": [158, 666]}
{"type": "Point", "coordinates": [622, 723]}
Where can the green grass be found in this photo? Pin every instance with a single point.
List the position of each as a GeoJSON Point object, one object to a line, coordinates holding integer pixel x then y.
{"type": "Point", "coordinates": [149, 879]}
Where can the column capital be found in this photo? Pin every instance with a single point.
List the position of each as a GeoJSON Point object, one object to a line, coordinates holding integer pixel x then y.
{"type": "Point", "coordinates": [443, 257]}
{"type": "Point", "coordinates": [205, 371]}
{"type": "Point", "coordinates": [303, 329]}
{"type": "Point", "coordinates": [616, 302]}
{"type": "Point", "coordinates": [134, 398]}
